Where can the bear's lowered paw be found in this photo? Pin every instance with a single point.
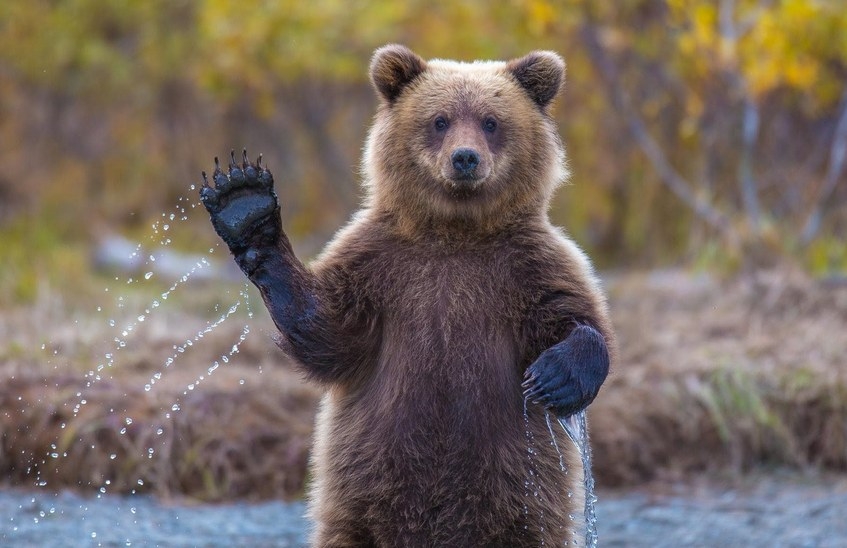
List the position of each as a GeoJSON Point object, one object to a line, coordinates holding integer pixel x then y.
{"type": "Point", "coordinates": [243, 205]}
{"type": "Point", "coordinates": [567, 376]}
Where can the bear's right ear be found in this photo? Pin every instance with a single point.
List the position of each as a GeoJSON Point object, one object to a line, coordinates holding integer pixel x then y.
{"type": "Point", "coordinates": [393, 67]}
{"type": "Point", "coordinates": [540, 73]}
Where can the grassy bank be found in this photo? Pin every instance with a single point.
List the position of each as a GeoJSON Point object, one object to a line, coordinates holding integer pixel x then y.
{"type": "Point", "coordinates": [714, 376]}
{"type": "Point", "coordinates": [723, 376]}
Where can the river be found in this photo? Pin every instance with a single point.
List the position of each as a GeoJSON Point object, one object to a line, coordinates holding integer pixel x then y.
{"type": "Point", "coordinates": [772, 510]}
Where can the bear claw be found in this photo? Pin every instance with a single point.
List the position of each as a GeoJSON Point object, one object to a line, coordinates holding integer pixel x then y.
{"type": "Point", "coordinates": [242, 204]}
{"type": "Point", "coordinates": [567, 376]}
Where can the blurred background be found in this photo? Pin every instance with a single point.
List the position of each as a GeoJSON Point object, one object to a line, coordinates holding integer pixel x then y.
{"type": "Point", "coordinates": [707, 141]}
{"type": "Point", "coordinates": [698, 132]}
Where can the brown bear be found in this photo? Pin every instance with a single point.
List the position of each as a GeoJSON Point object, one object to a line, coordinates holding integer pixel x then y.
{"type": "Point", "coordinates": [444, 306]}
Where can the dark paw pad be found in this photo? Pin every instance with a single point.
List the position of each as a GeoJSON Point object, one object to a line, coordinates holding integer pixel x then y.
{"type": "Point", "coordinates": [242, 203]}
{"type": "Point", "coordinates": [567, 376]}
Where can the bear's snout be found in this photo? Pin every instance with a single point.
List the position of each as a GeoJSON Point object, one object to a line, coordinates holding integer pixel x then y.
{"type": "Point", "coordinates": [465, 162]}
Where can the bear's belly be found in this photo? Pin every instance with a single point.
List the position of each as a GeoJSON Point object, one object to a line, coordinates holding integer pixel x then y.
{"type": "Point", "coordinates": [434, 445]}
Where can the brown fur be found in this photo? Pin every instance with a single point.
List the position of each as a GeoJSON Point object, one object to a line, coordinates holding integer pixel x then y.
{"type": "Point", "coordinates": [436, 299]}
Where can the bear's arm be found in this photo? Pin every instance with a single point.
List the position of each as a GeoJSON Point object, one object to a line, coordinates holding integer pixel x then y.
{"type": "Point", "coordinates": [323, 325]}
{"type": "Point", "coordinates": [569, 345]}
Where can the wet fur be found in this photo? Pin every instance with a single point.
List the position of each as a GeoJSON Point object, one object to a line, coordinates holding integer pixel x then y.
{"type": "Point", "coordinates": [423, 315]}
{"type": "Point", "coordinates": [426, 444]}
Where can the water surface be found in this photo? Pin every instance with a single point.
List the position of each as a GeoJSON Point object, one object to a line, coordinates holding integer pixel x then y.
{"type": "Point", "coordinates": [72, 520]}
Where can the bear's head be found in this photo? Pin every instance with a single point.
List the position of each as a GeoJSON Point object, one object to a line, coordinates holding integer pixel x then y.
{"type": "Point", "coordinates": [463, 141]}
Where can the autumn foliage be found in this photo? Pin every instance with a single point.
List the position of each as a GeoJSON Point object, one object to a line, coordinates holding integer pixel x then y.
{"type": "Point", "coordinates": [697, 131]}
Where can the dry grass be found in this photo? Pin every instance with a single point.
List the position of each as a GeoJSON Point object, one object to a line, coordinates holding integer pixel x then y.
{"type": "Point", "coordinates": [724, 375]}
{"type": "Point", "coordinates": [714, 376]}
{"type": "Point", "coordinates": [241, 430]}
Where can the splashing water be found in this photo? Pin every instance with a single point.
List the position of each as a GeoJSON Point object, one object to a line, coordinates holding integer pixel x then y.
{"type": "Point", "coordinates": [181, 349]}
{"type": "Point", "coordinates": [531, 485]}
{"type": "Point", "coordinates": [123, 330]}
{"type": "Point", "coordinates": [576, 427]}
{"type": "Point", "coordinates": [120, 340]}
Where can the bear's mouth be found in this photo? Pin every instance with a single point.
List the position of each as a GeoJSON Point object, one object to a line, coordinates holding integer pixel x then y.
{"type": "Point", "coordinates": [464, 186]}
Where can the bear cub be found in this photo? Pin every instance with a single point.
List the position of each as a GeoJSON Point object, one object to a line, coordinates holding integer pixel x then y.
{"type": "Point", "coordinates": [446, 320]}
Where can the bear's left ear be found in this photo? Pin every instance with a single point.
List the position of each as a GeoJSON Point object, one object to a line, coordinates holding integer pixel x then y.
{"type": "Point", "coordinates": [541, 74]}
{"type": "Point", "coordinates": [392, 68]}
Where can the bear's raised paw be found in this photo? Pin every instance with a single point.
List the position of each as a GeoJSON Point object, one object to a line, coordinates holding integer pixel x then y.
{"type": "Point", "coordinates": [242, 204]}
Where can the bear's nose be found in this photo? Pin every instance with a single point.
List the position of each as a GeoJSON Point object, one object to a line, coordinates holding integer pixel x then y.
{"type": "Point", "coordinates": [465, 160]}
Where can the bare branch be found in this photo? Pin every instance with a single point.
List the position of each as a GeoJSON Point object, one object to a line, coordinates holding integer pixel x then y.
{"type": "Point", "coordinates": [837, 153]}
{"type": "Point", "coordinates": [669, 176]}
{"type": "Point", "coordinates": [749, 187]}
{"type": "Point", "coordinates": [726, 18]}
{"type": "Point", "coordinates": [750, 118]}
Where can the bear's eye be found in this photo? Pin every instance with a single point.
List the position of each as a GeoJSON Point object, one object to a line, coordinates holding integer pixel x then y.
{"type": "Point", "coordinates": [489, 125]}
{"type": "Point", "coordinates": [440, 123]}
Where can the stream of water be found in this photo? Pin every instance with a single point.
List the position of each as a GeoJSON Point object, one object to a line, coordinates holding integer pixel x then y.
{"type": "Point", "coordinates": [576, 427]}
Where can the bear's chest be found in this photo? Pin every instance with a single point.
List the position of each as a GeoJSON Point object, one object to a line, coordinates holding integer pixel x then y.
{"type": "Point", "coordinates": [459, 306]}
{"type": "Point", "coordinates": [450, 332]}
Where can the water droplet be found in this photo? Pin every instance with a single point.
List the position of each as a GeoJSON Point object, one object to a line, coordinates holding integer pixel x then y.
{"type": "Point", "coordinates": [148, 275]}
